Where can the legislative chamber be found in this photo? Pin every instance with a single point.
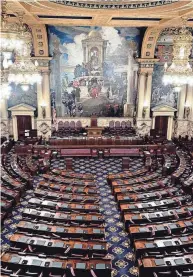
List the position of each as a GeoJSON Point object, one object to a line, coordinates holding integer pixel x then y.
{"type": "Point", "coordinates": [96, 106]}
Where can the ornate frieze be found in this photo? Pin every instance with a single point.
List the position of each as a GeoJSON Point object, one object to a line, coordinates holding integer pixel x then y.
{"type": "Point", "coordinates": [102, 5]}
{"type": "Point", "coordinates": [143, 127]}
{"type": "Point", "coordinates": [40, 40]}
{"type": "Point", "coordinates": [44, 128]}
{"type": "Point", "coordinates": [147, 63]}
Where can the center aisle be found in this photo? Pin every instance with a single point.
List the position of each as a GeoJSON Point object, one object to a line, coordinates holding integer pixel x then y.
{"type": "Point", "coordinates": [118, 241]}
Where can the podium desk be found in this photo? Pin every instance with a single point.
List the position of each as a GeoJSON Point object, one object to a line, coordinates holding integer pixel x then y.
{"type": "Point", "coordinates": [94, 131]}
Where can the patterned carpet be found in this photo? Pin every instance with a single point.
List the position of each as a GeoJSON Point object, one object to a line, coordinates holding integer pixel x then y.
{"type": "Point", "coordinates": [118, 240]}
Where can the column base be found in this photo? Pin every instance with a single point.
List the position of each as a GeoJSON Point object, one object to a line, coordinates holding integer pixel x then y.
{"type": "Point", "coordinates": [128, 110]}
{"type": "Point", "coordinates": [44, 126]}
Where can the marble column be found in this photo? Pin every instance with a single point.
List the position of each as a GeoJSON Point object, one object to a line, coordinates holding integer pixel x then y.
{"type": "Point", "coordinates": [39, 100]}
{"type": "Point", "coordinates": [46, 93]}
{"type": "Point", "coordinates": [141, 91]}
{"type": "Point", "coordinates": [170, 126]}
{"type": "Point", "coordinates": [189, 101]}
{"type": "Point", "coordinates": [181, 102]}
{"type": "Point", "coordinates": [128, 107]}
{"type": "Point", "coordinates": [33, 122]}
{"type": "Point", "coordinates": [147, 99]}
{"type": "Point", "coordinates": [153, 122]}
{"type": "Point", "coordinates": [4, 118]}
{"type": "Point", "coordinates": [135, 79]}
{"type": "Point", "coordinates": [129, 77]}
{"type": "Point", "coordinates": [15, 133]}
{"type": "Point", "coordinates": [3, 112]}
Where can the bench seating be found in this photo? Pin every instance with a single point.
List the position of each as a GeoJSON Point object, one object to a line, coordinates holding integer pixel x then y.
{"type": "Point", "coordinates": [61, 230]}
{"type": "Point", "coordinates": [63, 206]}
{"type": "Point", "coordinates": [66, 217]}
{"type": "Point", "coordinates": [66, 197]}
{"type": "Point", "coordinates": [66, 247]}
{"type": "Point", "coordinates": [59, 265]}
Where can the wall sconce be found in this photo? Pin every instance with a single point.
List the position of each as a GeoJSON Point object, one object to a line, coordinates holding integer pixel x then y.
{"type": "Point", "coordinates": [145, 109]}
{"type": "Point", "coordinates": [43, 106]}
{"type": "Point", "coordinates": [186, 110]}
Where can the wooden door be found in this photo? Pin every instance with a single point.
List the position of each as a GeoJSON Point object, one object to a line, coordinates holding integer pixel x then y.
{"type": "Point", "coordinates": [23, 123]}
{"type": "Point", "coordinates": [161, 125]}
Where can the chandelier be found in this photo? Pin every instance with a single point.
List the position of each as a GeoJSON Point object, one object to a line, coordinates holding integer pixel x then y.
{"type": "Point", "coordinates": [10, 39]}
{"type": "Point", "coordinates": [180, 72]}
{"type": "Point", "coordinates": [24, 73]}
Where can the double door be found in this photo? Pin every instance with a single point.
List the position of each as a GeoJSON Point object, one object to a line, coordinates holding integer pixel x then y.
{"type": "Point", "coordinates": [161, 125]}
{"type": "Point", "coordinates": [23, 123]}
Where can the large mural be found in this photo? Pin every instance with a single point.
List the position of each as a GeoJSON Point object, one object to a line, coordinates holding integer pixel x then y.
{"type": "Point", "coordinates": [89, 69]}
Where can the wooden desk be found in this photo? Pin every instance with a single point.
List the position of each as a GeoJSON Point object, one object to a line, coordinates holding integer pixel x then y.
{"type": "Point", "coordinates": [94, 131]}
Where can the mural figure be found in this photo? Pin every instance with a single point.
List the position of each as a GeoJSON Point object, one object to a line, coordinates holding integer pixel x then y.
{"type": "Point", "coordinates": [89, 69]}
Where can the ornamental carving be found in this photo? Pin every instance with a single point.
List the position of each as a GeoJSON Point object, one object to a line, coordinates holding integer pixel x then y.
{"type": "Point", "coordinates": [92, 5]}
{"type": "Point", "coordinates": [171, 31]}
{"type": "Point", "coordinates": [44, 128]}
{"type": "Point", "coordinates": [143, 129]}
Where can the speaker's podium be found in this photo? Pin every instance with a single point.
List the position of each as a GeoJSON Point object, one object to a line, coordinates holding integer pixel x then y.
{"type": "Point", "coordinates": [94, 130]}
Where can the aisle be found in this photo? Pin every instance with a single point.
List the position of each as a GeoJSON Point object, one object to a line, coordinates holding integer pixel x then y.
{"type": "Point", "coordinates": [118, 240]}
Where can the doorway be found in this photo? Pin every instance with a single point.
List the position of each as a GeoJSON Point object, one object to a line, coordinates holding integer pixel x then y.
{"type": "Point", "coordinates": [23, 123]}
{"type": "Point", "coordinates": [161, 125]}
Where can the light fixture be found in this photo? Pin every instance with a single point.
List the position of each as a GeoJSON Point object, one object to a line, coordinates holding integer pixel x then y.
{"type": "Point", "coordinates": [186, 110]}
{"type": "Point", "coordinates": [10, 39]}
{"type": "Point", "coordinates": [43, 106]}
{"type": "Point", "coordinates": [24, 73]}
{"type": "Point", "coordinates": [145, 109]}
{"type": "Point", "coordinates": [180, 72]}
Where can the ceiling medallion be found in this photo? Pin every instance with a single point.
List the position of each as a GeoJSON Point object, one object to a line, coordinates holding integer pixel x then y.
{"type": "Point", "coordinates": [102, 4]}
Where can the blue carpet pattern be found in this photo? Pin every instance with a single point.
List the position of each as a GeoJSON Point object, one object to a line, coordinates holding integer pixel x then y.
{"type": "Point", "coordinates": [120, 250]}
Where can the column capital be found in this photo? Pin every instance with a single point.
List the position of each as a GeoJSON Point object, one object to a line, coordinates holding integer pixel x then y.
{"type": "Point", "coordinates": [147, 61]}
{"type": "Point", "coordinates": [147, 65]}
{"type": "Point", "coordinates": [43, 62]}
{"type": "Point", "coordinates": [142, 73]}
{"type": "Point", "coordinates": [150, 73]}
{"type": "Point", "coordinates": [45, 72]}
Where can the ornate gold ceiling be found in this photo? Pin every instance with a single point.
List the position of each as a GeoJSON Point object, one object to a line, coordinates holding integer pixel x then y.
{"type": "Point", "coordinates": [141, 13]}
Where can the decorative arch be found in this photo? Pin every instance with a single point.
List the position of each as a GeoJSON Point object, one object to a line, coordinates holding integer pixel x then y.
{"type": "Point", "coordinates": [40, 40]}
{"type": "Point", "coordinates": [149, 42]}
